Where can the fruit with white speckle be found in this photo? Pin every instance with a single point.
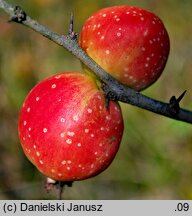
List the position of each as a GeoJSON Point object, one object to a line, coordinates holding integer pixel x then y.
{"type": "Point", "coordinates": [130, 43]}
{"type": "Point", "coordinates": [65, 129]}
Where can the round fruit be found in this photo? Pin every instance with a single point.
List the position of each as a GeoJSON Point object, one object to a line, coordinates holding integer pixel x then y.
{"type": "Point", "coordinates": [65, 129]}
{"type": "Point", "coordinates": [130, 43]}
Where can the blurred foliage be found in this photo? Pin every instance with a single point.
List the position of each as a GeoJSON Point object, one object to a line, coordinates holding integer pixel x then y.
{"type": "Point", "coordinates": [155, 157]}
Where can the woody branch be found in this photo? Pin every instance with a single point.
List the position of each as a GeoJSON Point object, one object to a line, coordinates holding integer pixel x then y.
{"type": "Point", "coordinates": [112, 88]}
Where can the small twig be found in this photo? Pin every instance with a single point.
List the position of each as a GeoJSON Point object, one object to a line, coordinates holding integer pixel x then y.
{"type": "Point", "coordinates": [121, 92]}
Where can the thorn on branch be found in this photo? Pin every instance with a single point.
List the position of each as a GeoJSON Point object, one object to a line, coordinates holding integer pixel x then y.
{"type": "Point", "coordinates": [109, 95]}
{"type": "Point", "coordinates": [174, 103]}
{"type": "Point", "coordinates": [72, 33]}
{"type": "Point", "coordinates": [19, 15]}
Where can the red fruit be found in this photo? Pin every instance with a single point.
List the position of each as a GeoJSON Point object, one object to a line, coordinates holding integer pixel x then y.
{"type": "Point", "coordinates": [130, 43]}
{"type": "Point", "coordinates": [65, 130]}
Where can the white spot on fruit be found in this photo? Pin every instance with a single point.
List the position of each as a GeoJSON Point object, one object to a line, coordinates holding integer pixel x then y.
{"type": "Point", "coordinates": [107, 52]}
{"type": "Point", "coordinates": [58, 76]}
{"type": "Point", "coordinates": [79, 144]}
{"type": "Point", "coordinates": [98, 33]}
{"type": "Point", "coordinates": [62, 120]}
{"type": "Point", "coordinates": [145, 33]}
{"type": "Point", "coordinates": [38, 154]}
{"type": "Point", "coordinates": [102, 37]}
{"type": "Point", "coordinates": [79, 165]}
{"type": "Point", "coordinates": [70, 133]}
{"type": "Point", "coordinates": [96, 153]}
{"type": "Point", "coordinates": [92, 135]}
{"type": "Point", "coordinates": [68, 168]}
{"type": "Point", "coordinates": [69, 141]}
{"type": "Point", "coordinates": [29, 129]}
{"type": "Point", "coordinates": [89, 110]}
{"type": "Point", "coordinates": [28, 109]}
{"type": "Point", "coordinates": [118, 19]}
{"type": "Point", "coordinates": [86, 130]}
{"type": "Point", "coordinates": [63, 162]}
{"type": "Point", "coordinates": [99, 97]}
{"type": "Point", "coordinates": [44, 130]}
{"type": "Point", "coordinates": [34, 146]}
{"type": "Point", "coordinates": [102, 128]}
{"type": "Point", "coordinates": [148, 58]}
{"type": "Point", "coordinates": [24, 123]}
{"type": "Point", "coordinates": [104, 15]}
{"type": "Point", "coordinates": [52, 170]}
{"type": "Point", "coordinates": [59, 174]}
{"type": "Point", "coordinates": [41, 162]}
{"type": "Point", "coordinates": [69, 161]}
{"type": "Point", "coordinates": [118, 34]}
{"type": "Point", "coordinates": [62, 135]}
{"type": "Point", "coordinates": [53, 86]}
{"type": "Point", "coordinates": [37, 99]}
{"type": "Point", "coordinates": [142, 18]}
{"type": "Point", "coordinates": [143, 48]}
{"type": "Point", "coordinates": [146, 65]}
{"type": "Point", "coordinates": [75, 118]}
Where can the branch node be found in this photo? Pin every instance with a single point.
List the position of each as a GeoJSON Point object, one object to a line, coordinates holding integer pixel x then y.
{"type": "Point", "coordinates": [19, 15]}
{"type": "Point", "coordinates": [109, 95]}
{"type": "Point", "coordinates": [174, 104]}
{"type": "Point", "coordinates": [72, 34]}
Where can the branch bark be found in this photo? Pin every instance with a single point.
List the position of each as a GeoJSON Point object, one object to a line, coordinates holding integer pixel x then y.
{"type": "Point", "coordinates": [115, 89]}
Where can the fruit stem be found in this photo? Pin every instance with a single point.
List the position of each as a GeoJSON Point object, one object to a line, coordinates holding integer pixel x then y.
{"type": "Point", "coordinates": [61, 185]}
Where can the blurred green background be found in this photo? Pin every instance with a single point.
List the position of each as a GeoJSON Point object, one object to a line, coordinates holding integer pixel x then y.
{"type": "Point", "coordinates": [155, 157]}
